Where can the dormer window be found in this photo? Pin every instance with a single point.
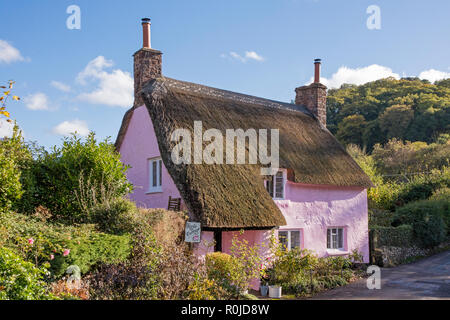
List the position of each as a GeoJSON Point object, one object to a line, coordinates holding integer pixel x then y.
{"type": "Point", "coordinates": [275, 185]}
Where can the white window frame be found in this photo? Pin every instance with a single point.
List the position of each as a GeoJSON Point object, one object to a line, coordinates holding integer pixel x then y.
{"type": "Point", "coordinates": [330, 238]}
{"type": "Point", "coordinates": [158, 187]}
{"type": "Point", "coordinates": [284, 172]}
{"type": "Point", "coordinates": [288, 247]}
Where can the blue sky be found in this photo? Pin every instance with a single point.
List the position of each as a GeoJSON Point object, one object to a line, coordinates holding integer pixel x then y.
{"type": "Point", "coordinates": [81, 79]}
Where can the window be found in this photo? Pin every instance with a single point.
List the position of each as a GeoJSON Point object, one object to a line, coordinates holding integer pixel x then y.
{"type": "Point", "coordinates": [155, 175]}
{"type": "Point", "coordinates": [290, 239]}
{"type": "Point", "coordinates": [335, 238]}
{"type": "Point", "coordinates": [275, 185]}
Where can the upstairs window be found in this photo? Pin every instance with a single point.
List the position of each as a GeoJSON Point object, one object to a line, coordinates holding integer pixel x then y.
{"type": "Point", "coordinates": [335, 238]}
{"type": "Point", "coordinates": [275, 185]}
{"type": "Point", "coordinates": [289, 239]}
{"type": "Point", "coordinates": [155, 175]}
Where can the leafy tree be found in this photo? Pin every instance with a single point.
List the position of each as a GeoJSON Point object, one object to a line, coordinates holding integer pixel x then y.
{"type": "Point", "coordinates": [407, 109]}
{"type": "Point", "coordinates": [395, 120]}
{"type": "Point", "coordinates": [351, 130]}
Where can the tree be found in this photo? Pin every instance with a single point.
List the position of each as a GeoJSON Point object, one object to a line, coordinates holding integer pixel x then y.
{"type": "Point", "coordinates": [395, 120]}
{"type": "Point", "coordinates": [351, 130]}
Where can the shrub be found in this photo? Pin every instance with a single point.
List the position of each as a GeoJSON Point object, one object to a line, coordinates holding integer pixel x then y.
{"type": "Point", "coordinates": [90, 250]}
{"type": "Point", "coordinates": [114, 216]}
{"type": "Point", "coordinates": [226, 270]}
{"type": "Point", "coordinates": [41, 242]}
{"type": "Point", "coordinates": [427, 219]}
{"type": "Point", "coordinates": [291, 265]}
{"type": "Point", "coordinates": [56, 177]}
{"type": "Point", "coordinates": [401, 236]}
{"type": "Point", "coordinates": [178, 268]}
{"type": "Point", "coordinates": [202, 288]}
{"type": "Point", "coordinates": [10, 187]}
{"type": "Point", "coordinates": [430, 230]}
{"type": "Point", "coordinates": [249, 261]}
{"type": "Point", "coordinates": [136, 278]}
{"type": "Point", "coordinates": [21, 280]}
{"type": "Point", "coordinates": [160, 265]}
{"type": "Point", "coordinates": [12, 153]}
{"type": "Point", "coordinates": [379, 217]}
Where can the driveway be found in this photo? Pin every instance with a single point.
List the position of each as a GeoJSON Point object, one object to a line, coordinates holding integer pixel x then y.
{"type": "Point", "coordinates": [428, 278]}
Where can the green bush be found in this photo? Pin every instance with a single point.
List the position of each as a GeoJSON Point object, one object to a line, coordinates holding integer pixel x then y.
{"type": "Point", "coordinates": [65, 179]}
{"type": "Point", "coordinates": [443, 196]}
{"type": "Point", "coordinates": [12, 153]}
{"type": "Point", "coordinates": [224, 269]}
{"type": "Point", "coordinates": [401, 236]}
{"type": "Point", "coordinates": [49, 242]}
{"type": "Point", "coordinates": [379, 217]}
{"type": "Point", "coordinates": [10, 187]}
{"type": "Point", "coordinates": [114, 216]}
{"type": "Point", "coordinates": [423, 186]}
{"type": "Point", "coordinates": [427, 219]}
{"type": "Point", "coordinates": [430, 230]}
{"type": "Point", "coordinates": [88, 251]}
{"type": "Point", "coordinates": [21, 280]}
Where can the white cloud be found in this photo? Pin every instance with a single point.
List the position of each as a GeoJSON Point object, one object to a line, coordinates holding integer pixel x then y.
{"type": "Point", "coordinates": [433, 75]}
{"type": "Point", "coordinates": [37, 101]}
{"type": "Point", "coordinates": [249, 55]}
{"type": "Point", "coordinates": [60, 86]}
{"type": "Point", "coordinates": [357, 76]}
{"type": "Point", "coordinates": [6, 128]}
{"type": "Point", "coordinates": [114, 88]}
{"type": "Point", "coordinates": [253, 55]}
{"type": "Point", "coordinates": [8, 53]}
{"type": "Point", "coordinates": [67, 127]}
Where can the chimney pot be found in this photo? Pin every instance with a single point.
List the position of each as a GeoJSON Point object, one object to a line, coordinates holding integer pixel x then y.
{"type": "Point", "coordinates": [146, 33]}
{"type": "Point", "coordinates": [317, 63]}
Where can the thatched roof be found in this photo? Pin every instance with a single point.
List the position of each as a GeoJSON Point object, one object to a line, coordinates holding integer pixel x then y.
{"type": "Point", "coordinates": [233, 196]}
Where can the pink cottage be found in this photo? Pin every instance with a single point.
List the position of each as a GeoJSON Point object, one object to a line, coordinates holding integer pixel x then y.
{"type": "Point", "coordinates": [317, 200]}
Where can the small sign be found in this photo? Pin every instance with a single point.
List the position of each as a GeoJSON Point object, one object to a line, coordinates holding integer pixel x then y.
{"type": "Point", "coordinates": [192, 233]}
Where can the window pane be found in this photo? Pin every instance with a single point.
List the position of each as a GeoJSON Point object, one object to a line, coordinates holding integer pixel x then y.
{"type": "Point", "coordinates": [160, 172]}
{"type": "Point", "coordinates": [279, 185]}
{"type": "Point", "coordinates": [295, 239]}
{"type": "Point", "coordinates": [329, 239]}
{"type": "Point", "coordinates": [340, 238]}
{"type": "Point", "coordinates": [282, 237]}
{"type": "Point", "coordinates": [154, 174]}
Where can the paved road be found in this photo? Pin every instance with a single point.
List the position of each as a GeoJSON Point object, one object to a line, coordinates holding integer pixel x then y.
{"type": "Point", "coordinates": [428, 278]}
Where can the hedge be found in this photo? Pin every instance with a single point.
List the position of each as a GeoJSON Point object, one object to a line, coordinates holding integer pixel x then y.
{"type": "Point", "coordinates": [401, 236]}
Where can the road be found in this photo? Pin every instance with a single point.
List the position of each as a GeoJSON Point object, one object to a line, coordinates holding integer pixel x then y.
{"type": "Point", "coordinates": [428, 278]}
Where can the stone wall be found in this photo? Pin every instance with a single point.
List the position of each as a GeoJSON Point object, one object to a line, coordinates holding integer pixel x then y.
{"type": "Point", "coordinates": [388, 256]}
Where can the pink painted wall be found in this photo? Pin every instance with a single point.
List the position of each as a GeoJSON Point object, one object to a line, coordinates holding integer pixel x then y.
{"type": "Point", "coordinates": [139, 145]}
{"type": "Point", "coordinates": [313, 209]}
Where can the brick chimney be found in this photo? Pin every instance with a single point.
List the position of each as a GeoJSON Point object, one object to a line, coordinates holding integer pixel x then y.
{"type": "Point", "coordinates": [147, 63]}
{"type": "Point", "coordinates": [314, 96]}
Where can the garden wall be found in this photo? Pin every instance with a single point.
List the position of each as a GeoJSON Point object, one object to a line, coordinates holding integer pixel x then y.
{"type": "Point", "coordinates": [390, 246]}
